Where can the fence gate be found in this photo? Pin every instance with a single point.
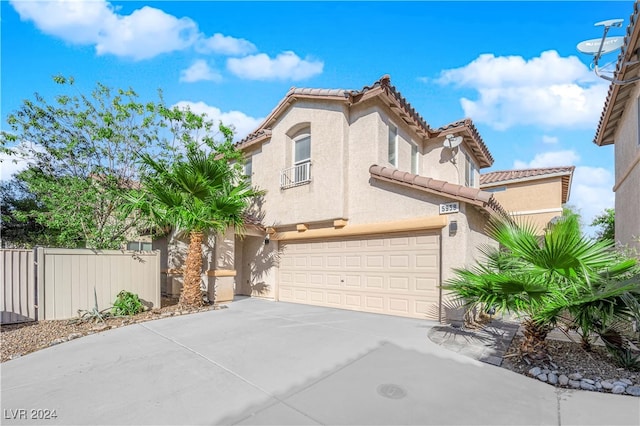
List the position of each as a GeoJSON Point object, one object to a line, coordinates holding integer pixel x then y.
{"type": "Point", "coordinates": [19, 296]}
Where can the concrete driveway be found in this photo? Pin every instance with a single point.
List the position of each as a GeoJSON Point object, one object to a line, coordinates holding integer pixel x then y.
{"type": "Point", "coordinates": [261, 362]}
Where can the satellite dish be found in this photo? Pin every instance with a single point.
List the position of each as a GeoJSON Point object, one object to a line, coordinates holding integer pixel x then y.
{"type": "Point", "coordinates": [597, 46]}
{"type": "Point", "coordinates": [604, 45]}
{"type": "Point", "coordinates": [451, 141]}
{"type": "Point", "coordinates": [609, 23]}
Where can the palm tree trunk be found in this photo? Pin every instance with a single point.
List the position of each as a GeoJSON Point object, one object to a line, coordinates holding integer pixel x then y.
{"type": "Point", "coordinates": [191, 294]}
{"type": "Point", "coordinates": [534, 344]}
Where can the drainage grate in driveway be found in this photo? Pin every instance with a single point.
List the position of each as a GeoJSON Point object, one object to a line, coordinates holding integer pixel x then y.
{"type": "Point", "coordinates": [391, 391]}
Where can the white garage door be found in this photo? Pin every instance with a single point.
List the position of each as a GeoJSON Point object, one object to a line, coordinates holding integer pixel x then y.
{"type": "Point", "coordinates": [395, 274]}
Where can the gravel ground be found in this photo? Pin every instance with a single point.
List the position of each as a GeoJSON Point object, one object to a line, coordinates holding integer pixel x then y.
{"type": "Point", "coordinates": [566, 357]}
{"type": "Point", "coordinates": [20, 339]}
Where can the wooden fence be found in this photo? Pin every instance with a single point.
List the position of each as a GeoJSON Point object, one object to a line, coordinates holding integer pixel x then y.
{"type": "Point", "coordinates": [48, 283]}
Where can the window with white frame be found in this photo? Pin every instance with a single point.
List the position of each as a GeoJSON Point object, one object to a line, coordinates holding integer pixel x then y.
{"type": "Point", "coordinates": [414, 158]}
{"type": "Point", "coordinates": [248, 167]}
{"type": "Point", "coordinates": [393, 145]}
{"type": "Point", "coordinates": [469, 172]}
{"type": "Point", "coordinates": [139, 246]}
{"type": "Point", "coordinates": [300, 173]}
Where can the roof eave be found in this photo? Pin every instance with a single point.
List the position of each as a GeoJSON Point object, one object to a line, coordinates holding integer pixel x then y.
{"type": "Point", "coordinates": [631, 39]}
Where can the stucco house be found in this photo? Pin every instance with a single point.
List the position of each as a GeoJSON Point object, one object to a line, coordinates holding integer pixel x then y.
{"type": "Point", "coordinates": [531, 196]}
{"type": "Point", "coordinates": [620, 125]}
{"type": "Point", "coordinates": [365, 208]}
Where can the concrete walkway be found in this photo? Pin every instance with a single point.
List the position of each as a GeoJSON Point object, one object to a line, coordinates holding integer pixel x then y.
{"type": "Point", "coordinates": [261, 362]}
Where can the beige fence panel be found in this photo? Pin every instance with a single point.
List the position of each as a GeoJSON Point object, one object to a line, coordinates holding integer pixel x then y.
{"type": "Point", "coordinates": [69, 276]}
{"type": "Point", "coordinates": [18, 296]}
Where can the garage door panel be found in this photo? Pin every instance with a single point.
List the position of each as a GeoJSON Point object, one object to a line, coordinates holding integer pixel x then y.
{"type": "Point", "coordinates": [393, 273]}
{"type": "Point", "coordinates": [374, 282]}
{"type": "Point", "coordinates": [354, 261]}
{"type": "Point", "coordinates": [334, 298]}
{"type": "Point", "coordinates": [399, 306]}
{"type": "Point", "coordinates": [334, 262]}
{"type": "Point", "coordinates": [399, 261]}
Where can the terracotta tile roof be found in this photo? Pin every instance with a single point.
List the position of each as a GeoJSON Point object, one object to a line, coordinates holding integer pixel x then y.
{"type": "Point", "coordinates": [473, 139]}
{"type": "Point", "coordinates": [618, 95]}
{"type": "Point", "coordinates": [462, 193]}
{"type": "Point", "coordinates": [502, 177]}
{"type": "Point", "coordinates": [391, 97]}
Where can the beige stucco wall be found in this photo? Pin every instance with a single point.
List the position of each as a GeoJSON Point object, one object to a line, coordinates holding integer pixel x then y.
{"type": "Point", "coordinates": [627, 174]}
{"type": "Point", "coordinates": [533, 202]}
{"type": "Point", "coordinates": [322, 197]}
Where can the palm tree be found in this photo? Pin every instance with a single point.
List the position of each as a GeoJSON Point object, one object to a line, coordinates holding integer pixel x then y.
{"type": "Point", "coordinates": [196, 193]}
{"type": "Point", "coordinates": [563, 277]}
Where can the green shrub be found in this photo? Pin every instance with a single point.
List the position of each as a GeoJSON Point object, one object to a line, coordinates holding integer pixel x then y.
{"type": "Point", "coordinates": [127, 303]}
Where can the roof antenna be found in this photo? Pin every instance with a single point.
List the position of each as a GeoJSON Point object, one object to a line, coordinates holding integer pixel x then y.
{"type": "Point", "coordinates": [601, 46]}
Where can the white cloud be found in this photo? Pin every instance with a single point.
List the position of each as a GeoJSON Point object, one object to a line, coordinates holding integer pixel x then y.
{"type": "Point", "coordinates": [74, 21]}
{"type": "Point", "coordinates": [146, 33]}
{"type": "Point", "coordinates": [242, 123]}
{"type": "Point", "coordinates": [549, 139]}
{"type": "Point", "coordinates": [286, 65]}
{"type": "Point", "coordinates": [225, 45]}
{"type": "Point", "coordinates": [549, 159]}
{"type": "Point", "coordinates": [591, 191]}
{"type": "Point", "coordinates": [20, 160]}
{"type": "Point", "coordinates": [549, 91]}
{"type": "Point", "coordinates": [199, 71]}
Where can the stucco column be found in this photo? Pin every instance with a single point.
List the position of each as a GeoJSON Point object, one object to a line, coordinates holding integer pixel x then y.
{"type": "Point", "coordinates": [221, 273]}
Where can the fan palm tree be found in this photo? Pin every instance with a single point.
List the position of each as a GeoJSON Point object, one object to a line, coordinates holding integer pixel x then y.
{"type": "Point", "coordinates": [564, 276]}
{"type": "Point", "coordinates": [197, 193]}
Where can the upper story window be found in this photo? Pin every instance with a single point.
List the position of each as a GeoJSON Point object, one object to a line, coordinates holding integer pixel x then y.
{"type": "Point", "coordinates": [300, 173]}
{"type": "Point", "coordinates": [469, 172]}
{"type": "Point", "coordinates": [496, 189]}
{"type": "Point", "coordinates": [414, 158]}
{"type": "Point", "coordinates": [302, 149]}
{"type": "Point", "coordinates": [248, 168]}
{"type": "Point", "coordinates": [393, 145]}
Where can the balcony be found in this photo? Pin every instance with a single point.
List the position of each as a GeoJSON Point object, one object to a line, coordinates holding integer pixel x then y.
{"type": "Point", "coordinates": [295, 176]}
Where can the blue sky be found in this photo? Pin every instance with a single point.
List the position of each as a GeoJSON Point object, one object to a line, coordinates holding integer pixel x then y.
{"type": "Point", "coordinates": [512, 67]}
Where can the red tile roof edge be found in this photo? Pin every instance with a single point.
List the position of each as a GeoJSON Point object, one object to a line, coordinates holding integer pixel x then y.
{"type": "Point", "coordinates": [500, 176]}
{"type": "Point", "coordinates": [353, 96]}
{"type": "Point", "coordinates": [633, 32]}
{"type": "Point", "coordinates": [462, 193]}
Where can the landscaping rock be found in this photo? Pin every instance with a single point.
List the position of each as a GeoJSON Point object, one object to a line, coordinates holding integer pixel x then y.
{"type": "Point", "coordinates": [587, 386]}
{"type": "Point", "coordinates": [591, 382]}
{"type": "Point", "coordinates": [58, 341]}
{"type": "Point", "coordinates": [633, 390]}
{"type": "Point", "coordinates": [618, 389]}
{"type": "Point", "coordinates": [553, 378]}
{"type": "Point", "coordinates": [607, 385]}
{"type": "Point", "coordinates": [535, 372]}
{"type": "Point", "coordinates": [542, 377]}
{"type": "Point", "coordinates": [598, 386]}
{"type": "Point", "coordinates": [620, 383]}
{"type": "Point", "coordinates": [627, 381]}
{"type": "Point", "coordinates": [74, 336]}
{"type": "Point", "coordinates": [563, 380]}
{"type": "Point", "coordinates": [575, 384]}
{"type": "Point", "coordinates": [575, 376]}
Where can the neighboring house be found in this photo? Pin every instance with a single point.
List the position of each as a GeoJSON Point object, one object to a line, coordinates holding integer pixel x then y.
{"type": "Point", "coordinates": [620, 125]}
{"type": "Point", "coordinates": [531, 196]}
